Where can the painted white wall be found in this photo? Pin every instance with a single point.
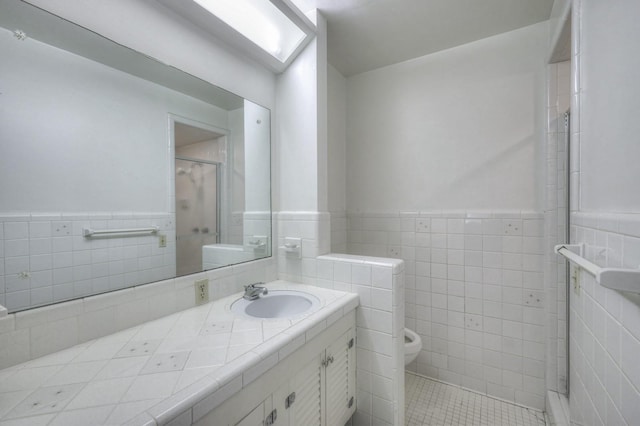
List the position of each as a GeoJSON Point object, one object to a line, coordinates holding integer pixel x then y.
{"type": "Point", "coordinates": [297, 133]}
{"type": "Point", "coordinates": [257, 152]}
{"type": "Point", "coordinates": [236, 170]}
{"type": "Point", "coordinates": [301, 129]}
{"type": "Point", "coordinates": [609, 107]}
{"type": "Point", "coordinates": [76, 134]}
{"type": "Point", "coordinates": [458, 129]}
{"type": "Point", "coordinates": [560, 11]}
{"type": "Point", "coordinates": [322, 87]}
{"type": "Point", "coordinates": [337, 140]}
{"type": "Point", "coordinates": [150, 28]}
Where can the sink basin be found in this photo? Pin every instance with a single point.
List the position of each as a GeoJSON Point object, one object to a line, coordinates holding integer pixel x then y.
{"type": "Point", "coordinates": [277, 304]}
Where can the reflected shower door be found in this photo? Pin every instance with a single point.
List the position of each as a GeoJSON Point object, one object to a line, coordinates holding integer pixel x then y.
{"type": "Point", "coordinates": [197, 211]}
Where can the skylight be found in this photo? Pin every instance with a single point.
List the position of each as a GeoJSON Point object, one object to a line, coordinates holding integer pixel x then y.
{"type": "Point", "coordinates": [259, 21]}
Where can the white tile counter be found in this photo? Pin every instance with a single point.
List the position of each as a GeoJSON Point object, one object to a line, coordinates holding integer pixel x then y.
{"type": "Point", "coordinates": [150, 374]}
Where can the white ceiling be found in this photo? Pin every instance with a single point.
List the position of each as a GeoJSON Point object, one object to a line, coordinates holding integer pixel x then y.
{"type": "Point", "coordinates": [369, 34]}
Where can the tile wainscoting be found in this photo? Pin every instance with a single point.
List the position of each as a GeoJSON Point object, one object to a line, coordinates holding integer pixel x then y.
{"type": "Point", "coordinates": [474, 292]}
{"type": "Point", "coordinates": [379, 281]}
{"type": "Point", "coordinates": [46, 258]}
{"type": "Point", "coordinates": [37, 332]}
{"type": "Point", "coordinates": [379, 329]}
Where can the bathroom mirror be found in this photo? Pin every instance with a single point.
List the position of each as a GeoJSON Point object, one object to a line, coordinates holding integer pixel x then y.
{"type": "Point", "coordinates": [117, 170]}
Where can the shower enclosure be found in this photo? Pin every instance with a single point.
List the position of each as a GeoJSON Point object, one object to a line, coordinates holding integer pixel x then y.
{"type": "Point", "coordinates": [197, 210]}
{"type": "Point", "coordinates": [557, 224]}
{"type": "Point", "coordinates": [565, 192]}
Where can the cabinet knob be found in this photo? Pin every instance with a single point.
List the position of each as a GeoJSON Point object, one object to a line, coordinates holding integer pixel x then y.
{"type": "Point", "coordinates": [271, 418]}
{"type": "Point", "coordinates": [290, 400]}
{"type": "Point", "coordinates": [328, 360]}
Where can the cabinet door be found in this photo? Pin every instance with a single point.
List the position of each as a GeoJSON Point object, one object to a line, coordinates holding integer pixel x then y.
{"type": "Point", "coordinates": [340, 380]}
{"type": "Point", "coordinates": [306, 409]}
{"type": "Point", "coordinates": [254, 418]}
{"type": "Point", "coordinates": [279, 404]}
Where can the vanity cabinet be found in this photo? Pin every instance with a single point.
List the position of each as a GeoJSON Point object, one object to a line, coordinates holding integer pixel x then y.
{"type": "Point", "coordinates": [340, 380]}
{"type": "Point", "coordinates": [254, 418]}
{"type": "Point", "coordinates": [271, 412]}
{"type": "Point", "coordinates": [325, 389]}
{"type": "Point", "coordinates": [320, 393]}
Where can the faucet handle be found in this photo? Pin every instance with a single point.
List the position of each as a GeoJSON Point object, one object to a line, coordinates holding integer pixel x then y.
{"type": "Point", "coordinates": [259, 284]}
{"type": "Point", "coordinates": [253, 291]}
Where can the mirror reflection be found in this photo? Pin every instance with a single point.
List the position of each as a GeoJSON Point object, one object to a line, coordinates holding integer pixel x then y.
{"type": "Point", "coordinates": [116, 170]}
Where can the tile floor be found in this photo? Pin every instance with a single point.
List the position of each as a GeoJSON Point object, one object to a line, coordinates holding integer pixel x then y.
{"type": "Point", "coordinates": [429, 402]}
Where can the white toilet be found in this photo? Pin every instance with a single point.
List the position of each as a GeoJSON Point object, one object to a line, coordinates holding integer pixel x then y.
{"type": "Point", "coordinates": [412, 346]}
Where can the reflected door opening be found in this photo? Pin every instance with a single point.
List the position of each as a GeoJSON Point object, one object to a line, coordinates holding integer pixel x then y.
{"type": "Point", "coordinates": [197, 194]}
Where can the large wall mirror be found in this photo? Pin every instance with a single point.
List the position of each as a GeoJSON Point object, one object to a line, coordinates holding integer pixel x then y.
{"type": "Point", "coordinates": [117, 170]}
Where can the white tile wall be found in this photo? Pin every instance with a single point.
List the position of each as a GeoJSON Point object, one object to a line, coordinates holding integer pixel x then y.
{"type": "Point", "coordinates": [257, 224]}
{"type": "Point", "coordinates": [380, 318]}
{"type": "Point", "coordinates": [45, 259]}
{"type": "Point", "coordinates": [379, 329]}
{"type": "Point", "coordinates": [474, 293]}
{"type": "Point", "coordinates": [37, 332]}
{"type": "Point", "coordinates": [605, 325]}
{"type": "Point", "coordinates": [313, 228]}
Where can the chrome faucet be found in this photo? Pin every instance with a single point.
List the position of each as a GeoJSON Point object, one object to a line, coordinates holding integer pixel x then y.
{"type": "Point", "coordinates": [253, 291]}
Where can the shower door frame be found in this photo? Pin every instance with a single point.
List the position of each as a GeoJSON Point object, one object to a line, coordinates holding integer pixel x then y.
{"type": "Point", "coordinates": [224, 183]}
{"type": "Point", "coordinates": [567, 194]}
{"type": "Point", "coordinates": [219, 166]}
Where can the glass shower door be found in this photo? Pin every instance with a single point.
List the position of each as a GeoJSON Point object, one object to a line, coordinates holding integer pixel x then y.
{"type": "Point", "coordinates": [197, 211]}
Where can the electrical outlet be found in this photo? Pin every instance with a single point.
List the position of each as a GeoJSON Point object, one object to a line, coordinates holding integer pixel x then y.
{"type": "Point", "coordinates": [162, 240]}
{"type": "Point", "coordinates": [393, 251]}
{"type": "Point", "coordinates": [202, 291]}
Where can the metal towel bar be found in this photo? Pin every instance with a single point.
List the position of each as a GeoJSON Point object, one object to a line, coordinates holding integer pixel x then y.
{"type": "Point", "coordinates": [614, 278]}
{"type": "Point", "coordinates": [88, 232]}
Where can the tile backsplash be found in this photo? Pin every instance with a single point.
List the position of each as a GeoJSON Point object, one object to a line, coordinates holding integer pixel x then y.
{"type": "Point", "coordinates": [46, 258]}
{"type": "Point", "coordinates": [37, 332]}
{"type": "Point", "coordinates": [474, 292]}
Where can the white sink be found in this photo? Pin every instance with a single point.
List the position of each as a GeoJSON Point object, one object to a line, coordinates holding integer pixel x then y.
{"type": "Point", "coordinates": [277, 304]}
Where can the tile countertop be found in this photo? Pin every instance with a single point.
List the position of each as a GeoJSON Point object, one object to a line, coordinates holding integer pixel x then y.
{"type": "Point", "coordinates": [150, 374]}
